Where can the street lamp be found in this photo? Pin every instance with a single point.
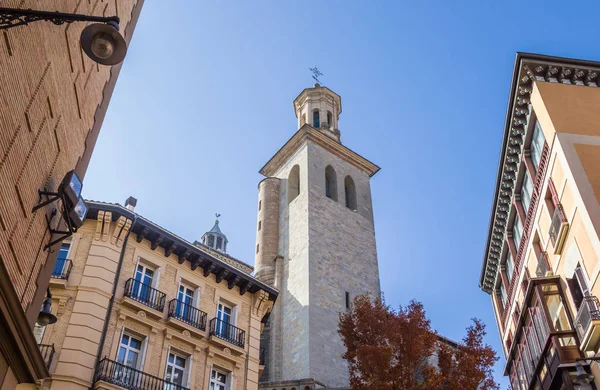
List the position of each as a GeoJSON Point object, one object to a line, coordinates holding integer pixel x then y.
{"type": "Point", "coordinates": [100, 41]}
{"type": "Point", "coordinates": [583, 379]}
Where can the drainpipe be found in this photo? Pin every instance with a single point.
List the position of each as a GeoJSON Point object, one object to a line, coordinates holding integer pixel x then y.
{"type": "Point", "coordinates": [112, 297]}
{"type": "Point", "coordinates": [246, 372]}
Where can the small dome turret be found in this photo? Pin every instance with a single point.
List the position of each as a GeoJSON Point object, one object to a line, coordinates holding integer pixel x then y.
{"type": "Point", "coordinates": [214, 238]}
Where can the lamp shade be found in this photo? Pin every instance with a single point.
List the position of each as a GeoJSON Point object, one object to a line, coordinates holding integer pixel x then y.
{"type": "Point", "coordinates": [45, 317]}
{"type": "Point", "coordinates": [103, 43]}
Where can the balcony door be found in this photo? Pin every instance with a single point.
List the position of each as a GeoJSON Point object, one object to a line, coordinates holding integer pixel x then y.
{"type": "Point", "coordinates": [218, 380]}
{"type": "Point", "coordinates": [129, 359]}
{"type": "Point", "coordinates": [185, 302]}
{"type": "Point", "coordinates": [144, 276]}
{"type": "Point", "coordinates": [176, 369]}
{"type": "Point", "coordinates": [224, 315]}
{"type": "Point", "coordinates": [61, 259]}
{"type": "Point", "coordinates": [578, 286]}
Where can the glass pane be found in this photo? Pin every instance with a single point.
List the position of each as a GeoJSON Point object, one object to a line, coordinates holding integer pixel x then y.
{"type": "Point", "coordinates": [137, 344]}
{"type": "Point", "coordinates": [125, 340]}
{"type": "Point", "coordinates": [566, 341]}
{"type": "Point", "coordinates": [171, 358]}
{"type": "Point", "coordinates": [558, 316]}
{"type": "Point", "coordinates": [550, 288]}
{"type": "Point", "coordinates": [179, 361]}
{"type": "Point", "coordinates": [132, 358]}
{"type": "Point", "coordinates": [121, 355]}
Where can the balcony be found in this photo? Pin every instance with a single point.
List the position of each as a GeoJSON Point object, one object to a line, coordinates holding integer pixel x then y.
{"type": "Point", "coordinates": [137, 293]}
{"type": "Point", "coordinates": [47, 351]}
{"type": "Point", "coordinates": [117, 374]}
{"type": "Point", "coordinates": [191, 318]}
{"type": "Point", "coordinates": [220, 330]}
{"type": "Point", "coordinates": [558, 229]}
{"type": "Point", "coordinates": [587, 323]}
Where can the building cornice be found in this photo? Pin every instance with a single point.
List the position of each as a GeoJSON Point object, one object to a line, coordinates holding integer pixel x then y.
{"type": "Point", "coordinates": [528, 69]}
{"type": "Point", "coordinates": [197, 257]}
{"type": "Point", "coordinates": [309, 133]}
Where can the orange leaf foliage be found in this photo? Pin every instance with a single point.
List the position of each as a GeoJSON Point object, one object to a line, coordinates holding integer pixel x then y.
{"type": "Point", "coordinates": [392, 350]}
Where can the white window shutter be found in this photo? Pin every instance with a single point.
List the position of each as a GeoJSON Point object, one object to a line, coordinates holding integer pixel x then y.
{"type": "Point", "coordinates": [143, 353]}
{"type": "Point", "coordinates": [234, 315]}
{"type": "Point", "coordinates": [157, 278]}
{"type": "Point", "coordinates": [230, 381]}
{"type": "Point", "coordinates": [210, 375]}
{"type": "Point", "coordinates": [167, 362]}
{"type": "Point", "coordinates": [120, 340]}
{"type": "Point", "coordinates": [197, 298]}
{"type": "Point", "coordinates": [137, 263]}
{"type": "Point", "coordinates": [189, 371]}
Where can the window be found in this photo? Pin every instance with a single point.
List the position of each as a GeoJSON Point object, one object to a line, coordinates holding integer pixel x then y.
{"type": "Point", "coordinates": [316, 119]}
{"type": "Point", "coordinates": [185, 302]}
{"type": "Point", "coordinates": [259, 224]}
{"type": "Point", "coordinates": [558, 316]}
{"type": "Point", "coordinates": [517, 232]}
{"type": "Point", "coordinates": [61, 259]}
{"type": "Point", "coordinates": [537, 145]}
{"type": "Point", "coordinates": [510, 266]}
{"type": "Point", "coordinates": [257, 247]}
{"type": "Point", "coordinates": [526, 191]}
{"type": "Point", "coordinates": [38, 332]}
{"type": "Point", "coordinates": [503, 294]}
{"type": "Point", "coordinates": [218, 380]}
{"type": "Point", "coordinates": [578, 286]}
{"type": "Point", "coordinates": [347, 300]}
{"type": "Point", "coordinates": [259, 205]}
{"type": "Point", "coordinates": [329, 118]}
{"type": "Point", "coordinates": [210, 241]}
{"type": "Point", "coordinates": [330, 183]}
{"type": "Point", "coordinates": [294, 183]}
{"type": "Point", "coordinates": [350, 192]}
{"type": "Point", "coordinates": [129, 351]}
{"type": "Point", "coordinates": [144, 277]}
{"type": "Point", "coordinates": [225, 318]}
{"type": "Point", "coordinates": [220, 243]}
{"type": "Point", "coordinates": [176, 370]}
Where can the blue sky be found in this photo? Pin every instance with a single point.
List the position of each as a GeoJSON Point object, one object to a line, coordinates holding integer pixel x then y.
{"type": "Point", "coordinates": [205, 99]}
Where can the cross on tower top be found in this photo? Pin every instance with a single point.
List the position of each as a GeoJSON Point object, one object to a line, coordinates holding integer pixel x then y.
{"type": "Point", "coordinates": [316, 74]}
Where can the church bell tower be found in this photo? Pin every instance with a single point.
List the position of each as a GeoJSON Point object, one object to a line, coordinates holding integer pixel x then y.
{"type": "Point", "coordinates": [315, 243]}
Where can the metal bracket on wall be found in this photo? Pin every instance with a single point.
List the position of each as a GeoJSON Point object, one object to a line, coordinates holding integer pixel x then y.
{"type": "Point", "coordinates": [63, 234]}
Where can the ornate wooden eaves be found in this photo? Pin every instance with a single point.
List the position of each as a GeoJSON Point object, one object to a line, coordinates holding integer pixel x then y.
{"type": "Point", "coordinates": [529, 69]}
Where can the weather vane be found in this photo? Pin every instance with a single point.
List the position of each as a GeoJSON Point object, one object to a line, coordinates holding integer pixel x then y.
{"type": "Point", "coordinates": [217, 215]}
{"type": "Point", "coordinates": [316, 74]}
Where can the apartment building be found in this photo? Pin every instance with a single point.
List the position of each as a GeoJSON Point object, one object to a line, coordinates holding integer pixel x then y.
{"type": "Point", "coordinates": [541, 261]}
{"type": "Point", "coordinates": [140, 308]}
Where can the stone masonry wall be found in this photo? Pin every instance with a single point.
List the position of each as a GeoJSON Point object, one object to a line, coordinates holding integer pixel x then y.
{"type": "Point", "coordinates": [343, 258]}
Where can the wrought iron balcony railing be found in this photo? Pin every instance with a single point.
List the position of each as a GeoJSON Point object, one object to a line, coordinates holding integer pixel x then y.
{"type": "Point", "coordinates": [588, 312]}
{"type": "Point", "coordinates": [62, 269]}
{"type": "Point", "coordinates": [145, 294]}
{"type": "Point", "coordinates": [187, 313]}
{"type": "Point", "coordinates": [129, 378]}
{"type": "Point", "coordinates": [227, 332]}
{"type": "Point", "coordinates": [47, 351]}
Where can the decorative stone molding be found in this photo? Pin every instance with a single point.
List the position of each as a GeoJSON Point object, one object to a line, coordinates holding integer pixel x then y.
{"type": "Point", "coordinates": [261, 304]}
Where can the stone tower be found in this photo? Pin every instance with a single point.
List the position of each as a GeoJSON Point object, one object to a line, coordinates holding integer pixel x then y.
{"type": "Point", "coordinates": [315, 243]}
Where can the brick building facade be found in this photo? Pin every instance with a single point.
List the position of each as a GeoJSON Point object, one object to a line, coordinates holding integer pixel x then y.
{"type": "Point", "coordinates": [139, 307]}
{"type": "Point", "coordinates": [52, 103]}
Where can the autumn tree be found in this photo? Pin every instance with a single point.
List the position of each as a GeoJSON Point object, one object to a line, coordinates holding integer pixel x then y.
{"type": "Point", "coordinates": [394, 350]}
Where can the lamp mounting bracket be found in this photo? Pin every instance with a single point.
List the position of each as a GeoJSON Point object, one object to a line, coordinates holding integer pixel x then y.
{"type": "Point", "coordinates": [13, 17]}
{"type": "Point", "coordinates": [63, 234]}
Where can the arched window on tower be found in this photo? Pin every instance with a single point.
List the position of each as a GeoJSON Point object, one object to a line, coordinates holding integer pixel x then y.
{"type": "Point", "coordinates": [316, 119]}
{"type": "Point", "coordinates": [330, 183]}
{"type": "Point", "coordinates": [350, 192]}
{"type": "Point", "coordinates": [330, 119]}
{"type": "Point", "coordinates": [294, 183]}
